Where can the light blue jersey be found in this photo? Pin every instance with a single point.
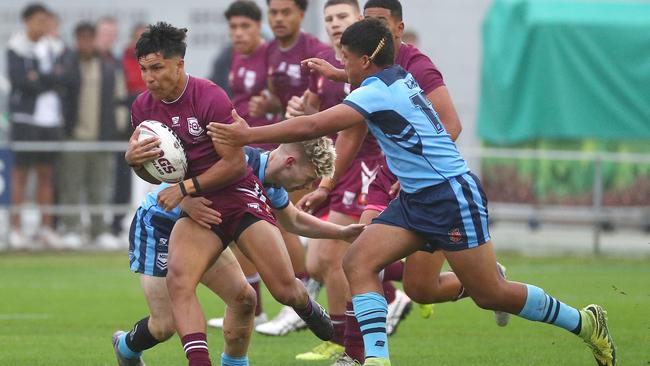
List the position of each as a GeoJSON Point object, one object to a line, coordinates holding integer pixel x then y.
{"type": "Point", "coordinates": [418, 149]}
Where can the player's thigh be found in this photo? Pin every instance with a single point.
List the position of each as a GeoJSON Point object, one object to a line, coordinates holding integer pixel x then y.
{"type": "Point", "coordinates": [378, 246]}
{"type": "Point", "coordinates": [157, 296]}
{"type": "Point", "coordinates": [476, 269]}
{"type": "Point", "coordinates": [262, 243]}
{"type": "Point", "coordinates": [192, 249]}
{"type": "Point", "coordinates": [423, 266]}
{"type": "Point", "coordinates": [246, 265]}
{"type": "Point", "coordinates": [225, 277]}
{"type": "Point", "coordinates": [367, 216]}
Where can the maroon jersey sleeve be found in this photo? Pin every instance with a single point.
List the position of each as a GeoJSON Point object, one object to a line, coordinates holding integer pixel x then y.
{"type": "Point", "coordinates": [215, 105]}
{"type": "Point", "coordinates": [425, 73]}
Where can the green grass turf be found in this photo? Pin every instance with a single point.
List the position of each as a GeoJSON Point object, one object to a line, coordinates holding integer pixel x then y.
{"type": "Point", "coordinates": [61, 309]}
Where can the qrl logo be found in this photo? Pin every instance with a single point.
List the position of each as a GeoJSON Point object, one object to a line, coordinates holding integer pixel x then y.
{"type": "Point", "coordinates": [166, 165]}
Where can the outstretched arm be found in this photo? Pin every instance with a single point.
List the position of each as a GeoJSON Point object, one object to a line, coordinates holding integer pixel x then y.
{"type": "Point", "coordinates": [302, 223]}
{"type": "Point", "coordinates": [337, 118]}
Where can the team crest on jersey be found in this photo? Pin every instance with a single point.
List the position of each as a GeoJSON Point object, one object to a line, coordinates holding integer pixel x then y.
{"type": "Point", "coordinates": [176, 121]}
{"type": "Point", "coordinates": [193, 127]}
{"type": "Point", "coordinates": [348, 198]}
{"type": "Point", "coordinates": [454, 235]}
{"type": "Point", "coordinates": [161, 261]}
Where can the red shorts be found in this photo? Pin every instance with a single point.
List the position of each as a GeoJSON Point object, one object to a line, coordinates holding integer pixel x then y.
{"type": "Point", "coordinates": [379, 192]}
{"type": "Point", "coordinates": [240, 204]}
{"type": "Point", "coordinates": [349, 196]}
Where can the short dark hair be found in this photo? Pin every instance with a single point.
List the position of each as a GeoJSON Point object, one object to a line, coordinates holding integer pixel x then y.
{"type": "Point", "coordinates": [164, 38]}
{"type": "Point", "coordinates": [370, 37]}
{"type": "Point", "coordinates": [244, 8]}
{"type": "Point", "coordinates": [33, 9]}
{"type": "Point", "coordinates": [302, 4]}
{"type": "Point", "coordinates": [353, 3]}
{"type": "Point", "coordinates": [394, 6]}
{"type": "Point", "coordinates": [84, 28]}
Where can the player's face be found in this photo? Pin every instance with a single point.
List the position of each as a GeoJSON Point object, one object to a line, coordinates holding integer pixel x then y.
{"type": "Point", "coordinates": [285, 18]}
{"type": "Point", "coordinates": [162, 76]}
{"type": "Point", "coordinates": [296, 176]}
{"type": "Point", "coordinates": [355, 66]}
{"type": "Point", "coordinates": [244, 34]}
{"type": "Point", "coordinates": [337, 19]}
{"type": "Point", "coordinates": [395, 26]}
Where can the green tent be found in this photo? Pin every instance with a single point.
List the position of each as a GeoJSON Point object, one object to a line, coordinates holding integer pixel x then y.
{"type": "Point", "coordinates": [565, 70]}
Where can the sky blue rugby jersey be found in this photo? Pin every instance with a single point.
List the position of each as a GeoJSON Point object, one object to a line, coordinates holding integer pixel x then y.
{"type": "Point", "coordinates": [418, 149]}
{"type": "Point", "coordinates": [256, 159]}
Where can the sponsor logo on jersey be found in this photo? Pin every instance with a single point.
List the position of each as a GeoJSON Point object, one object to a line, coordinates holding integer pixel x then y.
{"type": "Point", "coordinates": [193, 127]}
{"type": "Point", "coordinates": [176, 121]}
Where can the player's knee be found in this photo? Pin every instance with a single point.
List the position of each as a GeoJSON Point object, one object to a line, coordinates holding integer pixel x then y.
{"type": "Point", "coordinates": [162, 327]}
{"type": "Point", "coordinates": [420, 292]}
{"type": "Point", "coordinates": [177, 285]}
{"type": "Point", "coordinates": [287, 294]}
{"type": "Point", "coordinates": [245, 301]}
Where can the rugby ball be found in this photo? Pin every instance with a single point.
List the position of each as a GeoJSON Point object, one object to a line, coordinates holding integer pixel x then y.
{"type": "Point", "coordinates": [171, 165]}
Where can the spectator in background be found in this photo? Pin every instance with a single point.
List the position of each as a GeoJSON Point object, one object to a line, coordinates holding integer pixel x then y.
{"type": "Point", "coordinates": [134, 86]}
{"type": "Point", "coordinates": [410, 37]}
{"type": "Point", "coordinates": [134, 83]}
{"type": "Point", "coordinates": [92, 103]}
{"type": "Point", "coordinates": [221, 69]}
{"type": "Point", "coordinates": [105, 37]}
{"type": "Point", "coordinates": [35, 71]}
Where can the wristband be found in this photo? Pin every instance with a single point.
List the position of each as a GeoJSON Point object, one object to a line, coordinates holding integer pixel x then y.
{"type": "Point", "coordinates": [327, 183]}
{"type": "Point", "coordinates": [197, 187]}
{"type": "Point", "coordinates": [181, 185]}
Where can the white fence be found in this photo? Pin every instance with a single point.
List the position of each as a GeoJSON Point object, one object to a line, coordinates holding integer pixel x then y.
{"type": "Point", "coordinates": [596, 216]}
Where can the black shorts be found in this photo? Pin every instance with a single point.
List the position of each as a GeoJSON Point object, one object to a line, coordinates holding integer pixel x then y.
{"type": "Point", "coordinates": [28, 132]}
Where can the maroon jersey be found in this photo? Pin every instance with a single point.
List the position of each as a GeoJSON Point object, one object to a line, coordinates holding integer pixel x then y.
{"type": "Point", "coordinates": [332, 93]}
{"type": "Point", "coordinates": [202, 102]}
{"type": "Point", "coordinates": [420, 66]}
{"type": "Point", "coordinates": [287, 77]}
{"type": "Point", "coordinates": [247, 79]}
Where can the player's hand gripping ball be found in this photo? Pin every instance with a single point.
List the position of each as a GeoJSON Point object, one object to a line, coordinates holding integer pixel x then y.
{"type": "Point", "coordinates": [171, 165]}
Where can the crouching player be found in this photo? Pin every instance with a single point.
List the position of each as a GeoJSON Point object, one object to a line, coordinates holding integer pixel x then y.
{"type": "Point", "coordinates": [287, 168]}
{"type": "Point", "coordinates": [441, 205]}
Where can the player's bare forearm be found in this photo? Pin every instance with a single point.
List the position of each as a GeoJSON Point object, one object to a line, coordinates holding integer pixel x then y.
{"type": "Point", "coordinates": [443, 104]}
{"type": "Point", "coordinates": [304, 224]}
{"type": "Point", "coordinates": [347, 146]}
{"type": "Point", "coordinates": [231, 167]}
{"type": "Point", "coordinates": [329, 121]}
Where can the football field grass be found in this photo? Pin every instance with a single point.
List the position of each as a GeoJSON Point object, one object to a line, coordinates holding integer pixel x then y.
{"type": "Point", "coordinates": [61, 309]}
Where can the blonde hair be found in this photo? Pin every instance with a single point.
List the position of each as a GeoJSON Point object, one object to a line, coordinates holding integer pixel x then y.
{"type": "Point", "coordinates": [320, 153]}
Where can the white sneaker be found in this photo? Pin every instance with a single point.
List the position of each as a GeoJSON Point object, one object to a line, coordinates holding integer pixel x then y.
{"type": "Point", "coordinates": [285, 322]}
{"type": "Point", "coordinates": [108, 241]}
{"type": "Point", "coordinates": [345, 360]}
{"type": "Point", "coordinates": [70, 241]}
{"type": "Point", "coordinates": [48, 237]}
{"type": "Point", "coordinates": [218, 322]}
{"type": "Point", "coordinates": [18, 240]}
{"type": "Point", "coordinates": [502, 318]}
{"type": "Point", "coordinates": [397, 310]}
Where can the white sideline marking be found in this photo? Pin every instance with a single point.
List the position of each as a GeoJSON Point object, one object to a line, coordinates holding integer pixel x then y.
{"type": "Point", "coordinates": [24, 316]}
